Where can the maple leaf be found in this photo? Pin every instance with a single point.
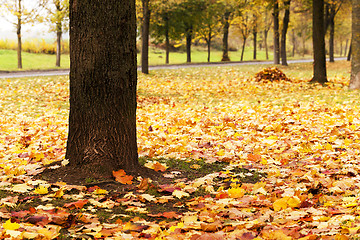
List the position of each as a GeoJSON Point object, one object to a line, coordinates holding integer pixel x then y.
{"type": "Point", "coordinates": [41, 190]}
{"type": "Point", "coordinates": [120, 176]}
{"type": "Point", "coordinates": [78, 204]}
{"type": "Point", "coordinates": [180, 194]}
{"type": "Point", "coordinates": [9, 225]}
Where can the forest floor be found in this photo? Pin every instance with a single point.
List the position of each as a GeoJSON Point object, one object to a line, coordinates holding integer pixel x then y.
{"type": "Point", "coordinates": [239, 157]}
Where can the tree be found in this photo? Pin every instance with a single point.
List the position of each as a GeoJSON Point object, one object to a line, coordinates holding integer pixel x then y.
{"type": "Point", "coordinates": [284, 31]}
{"type": "Point", "coordinates": [145, 29]}
{"type": "Point", "coordinates": [276, 32]}
{"type": "Point", "coordinates": [210, 26]}
{"type": "Point", "coordinates": [103, 79]}
{"type": "Point", "coordinates": [319, 42]}
{"type": "Point", "coordinates": [332, 8]}
{"type": "Point", "coordinates": [58, 18]}
{"type": "Point", "coordinates": [22, 15]}
{"type": "Point", "coordinates": [355, 46]}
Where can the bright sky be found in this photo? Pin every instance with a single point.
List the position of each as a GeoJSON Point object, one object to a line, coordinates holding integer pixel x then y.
{"type": "Point", "coordinates": [8, 31]}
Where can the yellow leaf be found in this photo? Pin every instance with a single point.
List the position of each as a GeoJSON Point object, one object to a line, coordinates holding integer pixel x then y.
{"type": "Point", "coordinates": [8, 225]}
{"type": "Point", "coordinates": [236, 192]}
{"type": "Point", "coordinates": [221, 152]}
{"type": "Point", "coordinates": [100, 191]}
{"type": "Point", "coordinates": [294, 202]}
{"type": "Point", "coordinates": [179, 194]}
{"type": "Point", "coordinates": [41, 190]}
{"type": "Point", "coordinates": [280, 204]}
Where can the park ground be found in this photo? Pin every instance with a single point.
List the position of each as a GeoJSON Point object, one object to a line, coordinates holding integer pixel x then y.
{"type": "Point", "coordinates": [238, 158]}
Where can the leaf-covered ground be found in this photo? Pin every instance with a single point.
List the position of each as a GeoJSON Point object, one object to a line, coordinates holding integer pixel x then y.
{"type": "Point", "coordinates": [244, 159]}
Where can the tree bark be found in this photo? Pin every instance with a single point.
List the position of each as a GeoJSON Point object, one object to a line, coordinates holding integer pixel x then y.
{"type": "Point", "coordinates": [355, 46]}
{"type": "Point", "coordinates": [103, 79]}
{"type": "Point", "coordinates": [225, 56]}
{"type": "Point", "coordinates": [319, 42]}
{"type": "Point", "coordinates": [286, 20]}
{"type": "Point", "coordinates": [145, 37]}
{"type": "Point", "coordinates": [18, 33]}
{"type": "Point", "coordinates": [276, 33]}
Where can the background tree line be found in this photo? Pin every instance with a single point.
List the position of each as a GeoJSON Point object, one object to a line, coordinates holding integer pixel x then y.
{"type": "Point", "coordinates": [226, 24]}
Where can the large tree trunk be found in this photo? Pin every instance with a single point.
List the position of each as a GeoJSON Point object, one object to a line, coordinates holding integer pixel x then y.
{"type": "Point", "coordinates": [319, 42]}
{"type": "Point", "coordinates": [225, 56]}
{"type": "Point", "coordinates": [18, 33]}
{"type": "Point", "coordinates": [284, 32]}
{"type": "Point", "coordinates": [188, 45]}
{"type": "Point", "coordinates": [145, 37]}
{"type": "Point", "coordinates": [103, 78]}
{"type": "Point", "coordinates": [355, 46]}
{"type": "Point", "coordinates": [276, 33]}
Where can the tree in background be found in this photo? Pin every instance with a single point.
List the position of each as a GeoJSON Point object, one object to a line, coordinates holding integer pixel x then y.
{"type": "Point", "coordinates": [355, 46]}
{"type": "Point", "coordinates": [210, 27]}
{"type": "Point", "coordinates": [319, 42]}
{"type": "Point", "coordinates": [145, 30]}
{"type": "Point", "coordinates": [332, 7]}
{"type": "Point", "coordinates": [165, 25]}
{"type": "Point", "coordinates": [22, 14]}
{"type": "Point", "coordinates": [58, 16]}
{"type": "Point", "coordinates": [190, 12]}
{"type": "Point", "coordinates": [103, 79]}
{"type": "Point", "coordinates": [285, 25]}
{"type": "Point", "coordinates": [276, 32]}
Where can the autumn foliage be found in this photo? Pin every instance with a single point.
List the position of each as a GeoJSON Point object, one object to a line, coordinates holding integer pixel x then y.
{"type": "Point", "coordinates": [296, 144]}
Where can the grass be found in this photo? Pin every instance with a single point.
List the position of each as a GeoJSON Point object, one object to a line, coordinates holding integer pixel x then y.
{"type": "Point", "coordinates": [35, 61]}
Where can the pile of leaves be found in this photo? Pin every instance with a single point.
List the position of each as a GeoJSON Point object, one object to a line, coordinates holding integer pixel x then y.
{"type": "Point", "coordinates": [243, 160]}
{"type": "Point", "coordinates": [271, 74]}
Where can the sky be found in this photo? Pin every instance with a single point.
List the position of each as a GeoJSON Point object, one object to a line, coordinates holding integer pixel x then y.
{"type": "Point", "coordinates": [8, 31]}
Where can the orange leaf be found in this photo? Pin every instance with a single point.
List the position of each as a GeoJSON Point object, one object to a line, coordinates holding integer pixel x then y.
{"type": "Point", "coordinates": [121, 177]}
{"type": "Point", "coordinates": [79, 204]}
{"type": "Point", "coordinates": [159, 167]}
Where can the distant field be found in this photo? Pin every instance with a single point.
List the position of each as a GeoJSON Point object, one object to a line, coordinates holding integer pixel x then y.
{"type": "Point", "coordinates": [8, 58]}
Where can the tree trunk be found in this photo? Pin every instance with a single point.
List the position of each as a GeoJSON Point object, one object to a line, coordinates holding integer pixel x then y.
{"type": "Point", "coordinates": [319, 42]}
{"type": "Point", "coordinates": [276, 33]}
{"type": "Point", "coordinates": [58, 48]}
{"type": "Point", "coordinates": [209, 45]}
{"type": "Point", "coordinates": [284, 32]}
{"type": "Point", "coordinates": [346, 46]}
{"type": "Point", "coordinates": [349, 54]}
{"type": "Point", "coordinates": [266, 45]}
{"type": "Point", "coordinates": [254, 42]}
{"type": "Point", "coordinates": [225, 56]}
{"type": "Point", "coordinates": [103, 79]}
{"type": "Point", "coordinates": [58, 34]}
{"type": "Point", "coordinates": [18, 33]}
{"type": "Point", "coordinates": [293, 43]}
{"type": "Point", "coordinates": [188, 45]}
{"type": "Point", "coordinates": [167, 41]}
{"type": "Point", "coordinates": [145, 37]}
{"type": "Point", "coordinates": [332, 32]}
{"type": "Point", "coordinates": [243, 49]}
{"type": "Point", "coordinates": [355, 46]}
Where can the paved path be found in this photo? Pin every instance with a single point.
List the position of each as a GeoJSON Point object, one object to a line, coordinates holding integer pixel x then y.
{"type": "Point", "coordinates": [35, 73]}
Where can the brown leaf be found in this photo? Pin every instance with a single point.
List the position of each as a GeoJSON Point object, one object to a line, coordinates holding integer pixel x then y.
{"type": "Point", "coordinates": [212, 227]}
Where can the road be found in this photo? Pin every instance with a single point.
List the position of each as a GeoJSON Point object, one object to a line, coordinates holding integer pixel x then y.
{"type": "Point", "coordinates": [36, 73]}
